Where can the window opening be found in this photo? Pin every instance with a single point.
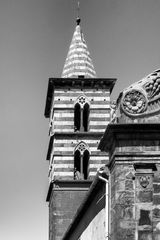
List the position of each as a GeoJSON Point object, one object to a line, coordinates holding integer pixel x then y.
{"type": "Point", "coordinates": [85, 117]}
{"type": "Point", "coordinates": [81, 114]}
{"type": "Point", "coordinates": [77, 160]}
{"type": "Point", "coordinates": [81, 162]}
{"type": "Point", "coordinates": [85, 163]}
{"type": "Point", "coordinates": [77, 117]}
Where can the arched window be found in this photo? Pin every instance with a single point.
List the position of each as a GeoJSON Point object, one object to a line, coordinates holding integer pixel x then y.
{"type": "Point", "coordinates": [81, 161]}
{"type": "Point", "coordinates": [81, 114]}
{"type": "Point", "coordinates": [85, 163]}
{"type": "Point", "coordinates": [77, 117]}
{"type": "Point", "coordinates": [85, 117]}
{"type": "Point", "coordinates": [77, 161]}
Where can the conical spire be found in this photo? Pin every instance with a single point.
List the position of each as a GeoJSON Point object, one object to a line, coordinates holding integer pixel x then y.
{"type": "Point", "coordinates": [78, 61]}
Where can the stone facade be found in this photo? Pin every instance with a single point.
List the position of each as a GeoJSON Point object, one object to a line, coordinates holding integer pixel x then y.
{"type": "Point", "coordinates": [64, 138]}
{"type": "Point", "coordinates": [65, 199]}
{"type": "Point", "coordinates": [78, 108]}
{"type": "Point", "coordinates": [135, 180]}
{"type": "Point", "coordinates": [91, 219]}
{"type": "Point", "coordinates": [131, 140]}
{"type": "Point", "coordinates": [130, 148]}
{"type": "Point", "coordinates": [62, 129]}
{"type": "Point", "coordinates": [133, 143]}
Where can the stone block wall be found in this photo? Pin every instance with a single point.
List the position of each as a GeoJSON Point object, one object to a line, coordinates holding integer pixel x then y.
{"type": "Point", "coordinates": [90, 223]}
{"type": "Point", "coordinates": [135, 203]}
{"type": "Point", "coordinates": [122, 203]}
{"type": "Point", "coordinates": [134, 152]}
{"type": "Point", "coordinates": [63, 205]}
{"type": "Point", "coordinates": [156, 204]}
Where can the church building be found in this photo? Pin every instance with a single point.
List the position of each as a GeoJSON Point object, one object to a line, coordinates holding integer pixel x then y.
{"type": "Point", "coordinates": [132, 140]}
{"type": "Point", "coordinates": [104, 159]}
{"type": "Point", "coordinates": [78, 109]}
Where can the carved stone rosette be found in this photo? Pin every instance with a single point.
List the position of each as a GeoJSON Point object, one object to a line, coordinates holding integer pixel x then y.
{"type": "Point", "coordinates": [134, 102]}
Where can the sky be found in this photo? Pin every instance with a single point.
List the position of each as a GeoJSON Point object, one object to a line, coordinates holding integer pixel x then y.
{"type": "Point", "coordinates": [123, 38]}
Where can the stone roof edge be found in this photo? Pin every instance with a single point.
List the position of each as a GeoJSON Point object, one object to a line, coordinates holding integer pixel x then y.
{"type": "Point", "coordinates": [113, 130]}
{"type": "Point", "coordinates": [63, 182]}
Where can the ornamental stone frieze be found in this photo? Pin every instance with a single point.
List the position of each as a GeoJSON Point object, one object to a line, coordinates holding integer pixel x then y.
{"type": "Point", "coordinates": [140, 102]}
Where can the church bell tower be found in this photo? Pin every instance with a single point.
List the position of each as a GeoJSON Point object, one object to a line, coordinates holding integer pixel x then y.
{"type": "Point", "coordinates": [78, 108]}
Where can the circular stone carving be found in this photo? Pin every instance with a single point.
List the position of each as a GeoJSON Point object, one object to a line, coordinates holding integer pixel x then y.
{"type": "Point", "coordinates": [82, 147]}
{"type": "Point", "coordinates": [82, 100]}
{"type": "Point", "coordinates": [134, 102]}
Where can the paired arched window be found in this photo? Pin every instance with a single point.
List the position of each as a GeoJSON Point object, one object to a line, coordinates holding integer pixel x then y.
{"type": "Point", "coordinates": [81, 161]}
{"type": "Point", "coordinates": [81, 114]}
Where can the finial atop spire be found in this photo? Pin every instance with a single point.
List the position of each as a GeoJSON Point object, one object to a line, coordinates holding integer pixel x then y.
{"type": "Point", "coordinates": [78, 20]}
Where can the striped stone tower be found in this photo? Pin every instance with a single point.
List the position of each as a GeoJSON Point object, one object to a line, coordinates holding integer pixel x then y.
{"type": "Point", "coordinates": [78, 108]}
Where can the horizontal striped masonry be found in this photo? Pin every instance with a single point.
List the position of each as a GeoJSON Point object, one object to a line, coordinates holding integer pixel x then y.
{"type": "Point", "coordinates": [74, 91]}
{"type": "Point", "coordinates": [63, 149]}
{"type": "Point", "coordinates": [68, 175]}
{"type": "Point", "coordinates": [92, 142]}
{"type": "Point", "coordinates": [70, 95]}
{"type": "Point", "coordinates": [69, 167]}
{"type": "Point", "coordinates": [63, 162]}
{"type": "Point", "coordinates": [72, 99]}
{"type": "Point", "coordinates": [98, 123]}
{"type": "Point", "coordinates": [62, 159]}
{"type": "Point", "coordinates": [70, 153]}
{"type": "Point", "coordinates": [64, 165]}
{"type": "Point", "coordinates": [63, 110]}
{"type": "Point", "coordinates": [93, 105]}
{"type": "Point", "coordinates": [73, 95]}
{"type": "Point", "coordinates": [78, 61]}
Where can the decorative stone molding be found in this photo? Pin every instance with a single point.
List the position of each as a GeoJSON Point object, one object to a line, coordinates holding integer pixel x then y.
{"type": "Point", "coordinates": [140, 102]}
{"type": "Point", "coordinates": [152, 86]}
{"type": "Point", "coordinates": [134, 102]}
{"type": "Point", "coordinates": [82, 100]}
{"type": "Point", "coordinates": [82, 146]}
